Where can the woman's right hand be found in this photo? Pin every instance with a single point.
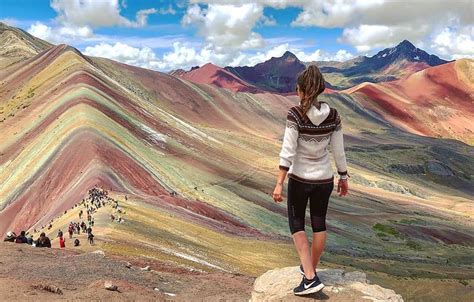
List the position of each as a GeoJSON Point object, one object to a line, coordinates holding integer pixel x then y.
{"type": "Point", "coordinates": [277, 193]}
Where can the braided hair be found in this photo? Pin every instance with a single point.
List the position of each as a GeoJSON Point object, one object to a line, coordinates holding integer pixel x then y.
{"type": "Point", "coordinates": [311, 84]}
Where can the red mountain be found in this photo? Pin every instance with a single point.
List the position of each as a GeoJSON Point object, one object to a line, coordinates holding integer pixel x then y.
{"type": "Point", "coordinates": [437, 101]}
{"type": "Point", "coordinates": [215, 75]}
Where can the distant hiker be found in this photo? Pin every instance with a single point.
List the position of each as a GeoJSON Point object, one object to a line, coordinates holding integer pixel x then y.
{"type": "Point", "coordinates": [112, 217]}
{"type": "Point", "coordinates": [90, 237]}
{"type": "Point", "coordinates": [310, 127]}
{"type": "Point", "coordinates": [80, 214]}
{"type": "Point", "coordinates": [78, 228]}
{"type": "Point", "coordinates": [77, 242]}
{"type": "Point", "coordinates": [60, 233]}
{"type": "Point", "coordinates": [21, 238]}
{"type": "Point", "coordinates": [84, 227]}
{"type": "Point", "coordinates": [11, 236]}
{"type": "Point", "coordinates": [70, 230]}
{"type": "Point", "coordinates": [62, 242]}
{"type": "Point", "coordinates": [43, 241]}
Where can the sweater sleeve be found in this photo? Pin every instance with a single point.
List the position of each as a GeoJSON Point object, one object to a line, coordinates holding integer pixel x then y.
{"type": "Point", "coordinates": [290, 141]}
{"type": "Point", "coordinates": [337, 147]}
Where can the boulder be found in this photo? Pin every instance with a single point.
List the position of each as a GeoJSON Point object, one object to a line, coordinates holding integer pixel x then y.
{"type": "Point", "coordinates": [108, 285]}
{"type": "Point", "coordinates": [278, 284]}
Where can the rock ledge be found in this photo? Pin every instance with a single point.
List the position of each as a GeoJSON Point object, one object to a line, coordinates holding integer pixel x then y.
{"type": "Point", "coordinates": [278, 284]}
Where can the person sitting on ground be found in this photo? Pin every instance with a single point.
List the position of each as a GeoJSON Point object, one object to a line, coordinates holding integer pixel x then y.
{"type": "Point", "coordinates": [43, 241]}
{"type": "Point", "coordinates": [77, 242]}
{"type": "Point", "coordinates": [11, 236]}
{"type": "Point", "coordinates": [30, 240]}
{"type": "Point", "coordinates": [21, 238]}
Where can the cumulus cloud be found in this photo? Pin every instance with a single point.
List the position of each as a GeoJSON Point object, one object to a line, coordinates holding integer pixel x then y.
{"type": "Point", "coordinates": [456, 43]}
{"type": "Point", "coordinates": [76, 20]}
{"type": "Point", "coordinates": [372, 24]}
{"type": "Point", "coordinates": [367, 37]}
{"type": "Point", "coordinates": [225, 27]}
{"type": "Point", "coordinates": [96, 13]}
{"type": "Point", "coordinates": [61, 34]}
{"type": "Point", "coordinates": [142, 57]}
{"type": "Point", "coordinates": [185, 56]}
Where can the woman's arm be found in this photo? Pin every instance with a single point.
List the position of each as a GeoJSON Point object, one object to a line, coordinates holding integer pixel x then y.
{"type": "Point", "coordinates": [287, 153]}
{"type": "Point", "coordinates": [290, 141]}
{"type": "Point", "coordinates": [337, 147]}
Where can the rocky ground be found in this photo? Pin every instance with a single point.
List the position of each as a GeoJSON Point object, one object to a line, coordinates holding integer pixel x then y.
{"type": "Point", "coordinates": [32, 274]}
{"type": "Point", "coordinates": [278, 284]}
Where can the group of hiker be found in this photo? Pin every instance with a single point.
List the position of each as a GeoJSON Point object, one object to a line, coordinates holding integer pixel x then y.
{"type": "Point", "coordinates": [97, 198]}
{"type": "Point", "coordinates": [42, 241]}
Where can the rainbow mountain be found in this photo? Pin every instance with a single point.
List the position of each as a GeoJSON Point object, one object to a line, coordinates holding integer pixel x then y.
{"type": "Point", "coordinates": [198, 163]}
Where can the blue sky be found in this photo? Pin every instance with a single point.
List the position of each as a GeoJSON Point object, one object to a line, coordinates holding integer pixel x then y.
{"type": "Point", "coordinates": [165, 35]}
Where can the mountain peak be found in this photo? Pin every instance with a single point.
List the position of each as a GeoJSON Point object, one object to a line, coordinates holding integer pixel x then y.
{"type": "Point", "coordinates": [405, 50]}
{"type": "Point", "coordinates": [289, 55]}
{"type": "Point", "coordinates": [406, 45]}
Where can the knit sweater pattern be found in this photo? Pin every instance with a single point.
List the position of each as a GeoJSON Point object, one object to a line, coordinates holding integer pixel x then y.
{"type": "Point", "coordinates": [304, 152]}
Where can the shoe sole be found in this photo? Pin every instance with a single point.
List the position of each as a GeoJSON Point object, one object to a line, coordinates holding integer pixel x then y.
{"type": "Point", "coordinates": [311, 290]}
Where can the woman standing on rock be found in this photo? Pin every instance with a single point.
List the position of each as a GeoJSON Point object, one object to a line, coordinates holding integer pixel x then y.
{"type": "Point", "coordinates": [310, 127]}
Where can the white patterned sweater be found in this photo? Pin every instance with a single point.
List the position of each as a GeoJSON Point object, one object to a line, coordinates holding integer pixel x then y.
{"type": "Point", "coordinates": [304, 153]}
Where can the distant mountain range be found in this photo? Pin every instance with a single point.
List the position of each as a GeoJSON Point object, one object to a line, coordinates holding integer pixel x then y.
{"type": "Point", "coordinates": [275, 75]}
{"type": "Point", "coordinates": [279, 74]}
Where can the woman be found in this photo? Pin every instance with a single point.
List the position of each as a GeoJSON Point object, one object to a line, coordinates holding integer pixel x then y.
{"type": "Point", "coordinates": [310, 127]}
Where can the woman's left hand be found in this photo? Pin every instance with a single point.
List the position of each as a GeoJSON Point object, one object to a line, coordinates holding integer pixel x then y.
{"type": "Point", "coordinates": [342, 187]}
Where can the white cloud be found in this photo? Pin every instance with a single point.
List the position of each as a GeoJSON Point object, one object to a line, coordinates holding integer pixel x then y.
{"type": "Point", "coordinates": [321, 55]}
{"type": "Point", "coordinates": [61, 34]}
{"type": "Point", "coordinates": [95, 13]}
{"type": "Point", "coordinates": [268, 20]}
{"type": "Point", "coordinates": [142, 57]}
{"type": "Point", "coordinates": [456, 43]}
{"type": "Point", "coordinates": [367, 37]}
{"type": "Point", "coordinates": [225, 27]}
{"type": "Point", "coordinates": [372, 24]}
{"type": "Point", "coordinates": [167, 11]}
{"type": "Point", "coordinates": [185, 56]}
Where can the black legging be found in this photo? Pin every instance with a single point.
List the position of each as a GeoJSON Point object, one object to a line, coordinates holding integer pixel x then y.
{"type": "Point", "coordinates": [298, 194]}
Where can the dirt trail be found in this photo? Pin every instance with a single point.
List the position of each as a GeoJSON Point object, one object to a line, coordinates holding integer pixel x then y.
{"type": "Point", "coordinates": [81, 276]}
